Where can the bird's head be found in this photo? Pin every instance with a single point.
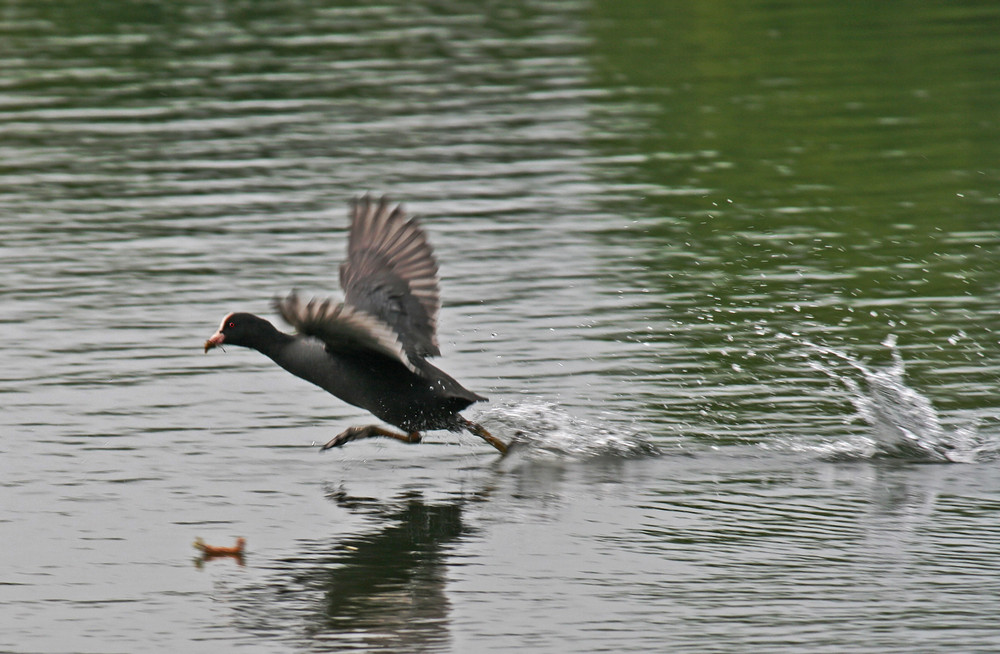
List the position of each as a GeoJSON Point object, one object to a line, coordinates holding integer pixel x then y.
{"type": "Point", "coordinates": [243, 329]}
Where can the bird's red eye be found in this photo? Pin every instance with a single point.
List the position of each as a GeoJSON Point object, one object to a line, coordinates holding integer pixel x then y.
{"type": "Point", "coordinates": [231, 324]}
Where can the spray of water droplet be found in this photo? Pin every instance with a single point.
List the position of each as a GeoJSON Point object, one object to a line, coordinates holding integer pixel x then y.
{"type": "Point", "coordinates": [541, 429]}
{"type": "Point", "coordinates": [902, 421]}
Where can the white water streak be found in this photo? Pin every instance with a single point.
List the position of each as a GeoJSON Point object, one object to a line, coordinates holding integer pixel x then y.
{"type": "Point", "coordinates": [543, 429]}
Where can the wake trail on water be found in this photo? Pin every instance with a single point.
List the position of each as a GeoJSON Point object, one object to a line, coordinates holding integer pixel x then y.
{"type": "Point", "coordinates": [903, 423]}
{"type": "Point", "coordinates": [541, 429]}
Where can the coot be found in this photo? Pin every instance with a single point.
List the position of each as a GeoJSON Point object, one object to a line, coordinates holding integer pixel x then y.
{"type": "Point", "coordinates": [370, 350]}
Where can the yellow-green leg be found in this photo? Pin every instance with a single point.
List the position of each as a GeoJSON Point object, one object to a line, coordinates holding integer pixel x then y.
{"type": "Point", "coordinates": [369, 431]}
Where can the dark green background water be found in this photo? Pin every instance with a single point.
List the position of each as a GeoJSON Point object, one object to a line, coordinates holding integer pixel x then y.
{"type": "Point", "coordinates": [648, 215]}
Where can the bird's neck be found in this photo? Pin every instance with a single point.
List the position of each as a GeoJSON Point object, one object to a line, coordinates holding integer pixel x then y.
{"type": "Point", "coordinates": [272, 342]}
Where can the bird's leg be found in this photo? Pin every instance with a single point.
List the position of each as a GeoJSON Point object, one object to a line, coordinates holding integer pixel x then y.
{"type": "Point", "coordinates": [369, 431]}
{"type": "Point", "coordinates": [481, 432]}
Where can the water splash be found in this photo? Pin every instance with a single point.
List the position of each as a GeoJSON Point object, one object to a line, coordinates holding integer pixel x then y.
{"type": "Point", "coordinates": [903, 423]}
{"type": "Point", "coordinates": [545, 430]}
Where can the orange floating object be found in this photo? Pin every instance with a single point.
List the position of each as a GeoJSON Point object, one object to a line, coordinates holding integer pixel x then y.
{"type": "Point", "coordinates": [211, 550]}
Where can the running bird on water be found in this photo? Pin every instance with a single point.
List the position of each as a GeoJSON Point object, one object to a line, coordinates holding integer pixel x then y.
{"type": "Point", "coordinates": [370, 350]}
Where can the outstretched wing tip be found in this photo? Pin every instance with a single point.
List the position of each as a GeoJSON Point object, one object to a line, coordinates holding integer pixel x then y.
{"type": "Point", "coordinates": [287, 306]}
{"type": "Point", "coordinates": [388, 248]}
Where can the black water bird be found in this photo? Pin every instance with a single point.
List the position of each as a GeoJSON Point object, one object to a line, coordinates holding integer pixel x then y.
{"type": "Point", "coordinates": [370, 350]}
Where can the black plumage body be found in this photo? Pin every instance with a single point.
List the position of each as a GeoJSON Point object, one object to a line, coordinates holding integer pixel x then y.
{"type": "Point", "coordinates": [382, 386]}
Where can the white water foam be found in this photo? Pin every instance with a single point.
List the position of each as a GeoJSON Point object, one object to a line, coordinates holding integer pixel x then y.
{"type": "Point", "coordinates": [903, 423]}
{"type": "Point", "coordinates": [541, 429]}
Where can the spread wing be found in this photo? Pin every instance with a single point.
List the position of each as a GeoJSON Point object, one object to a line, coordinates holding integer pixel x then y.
{"type": "Point", "coordinates": [391, 274]}
{"type": "Point", "coordinates": [342, 328]}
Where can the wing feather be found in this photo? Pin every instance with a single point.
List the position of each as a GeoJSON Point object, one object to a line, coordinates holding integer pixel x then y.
{"type": "Point", "coordinates": [342, 327]}
{"type": "Point", "coordinates": [392, 275]}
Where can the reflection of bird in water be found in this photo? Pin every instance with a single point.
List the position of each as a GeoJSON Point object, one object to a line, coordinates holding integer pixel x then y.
{"type": "Point", "coordinates": [394, 578]}
{"type": "Point", "coordinates": [371, 350]}
{"type": "Point", "coordinates": [383, 590]}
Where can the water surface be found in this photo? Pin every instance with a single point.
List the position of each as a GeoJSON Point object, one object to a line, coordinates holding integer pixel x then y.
{"type": "Point", "coordinates": [727, 274]}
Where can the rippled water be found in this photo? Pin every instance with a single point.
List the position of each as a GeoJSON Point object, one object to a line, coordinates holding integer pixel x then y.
{"type": "Point", "coordinates": [727, 276]}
